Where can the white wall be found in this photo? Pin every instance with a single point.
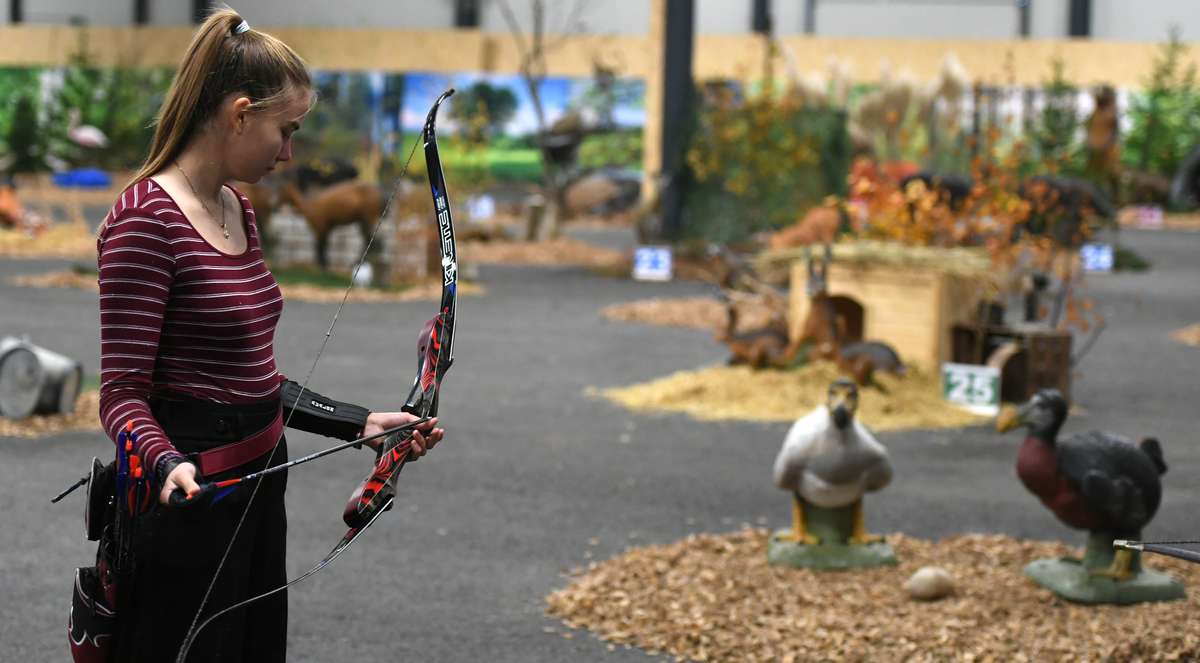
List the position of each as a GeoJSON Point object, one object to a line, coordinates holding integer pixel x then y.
{"type": "Point", "coordinates": [1049, 18]}
{"type": "Point", "coordinates": [166, 12]}
{"type": "Point", "coordinates": [105, 12]}
{"type": "Point", "coordinates": [594, 16]}
{"type": "Point", "coordinates": [622, 17]}
{"type": "Point", "coordinates": [965, 19]}
{"type": "Point", "coordinates": [1145, 20]}
{"type": "Point", "coordinates": [397, 14]}
{"type": "Point", "coordinates": [732, 17]}
{"type": "Point", "coordinates": [1130, 20]}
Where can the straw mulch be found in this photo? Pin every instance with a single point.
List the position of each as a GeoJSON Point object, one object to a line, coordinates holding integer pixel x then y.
{"type": "Point", "coordinates": [693, 312]}
{"type": "Point", "coordinates": [86, 417]}
{"type": "Point", "coordinates": [62, 240]}
{"type": "Point", "coordinates": [740, 392]}
{"type": "Point", "coordinates": [58, 279]}
{"type": "Point", "coordinates": [1189, 335]}
{"type": "Point", "coordinates": [967, 262]}
{"type": "Point", "coordinates": [1182, 221]}
{"type": "Point", "coordinates": [555, 252]}
{"type": "Point", "coordinates": [715, 598]}
{"type": "Point", "coordinates": [430, 291]}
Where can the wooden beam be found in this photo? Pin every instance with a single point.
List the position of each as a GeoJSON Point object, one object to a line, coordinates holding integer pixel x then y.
{"type": "Point", "coordinates": [994, 62]}
{"type": "Point", "coordinates": [1018, 61]}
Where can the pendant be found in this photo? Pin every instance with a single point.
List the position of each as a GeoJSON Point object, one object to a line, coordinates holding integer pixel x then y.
{"type": "Point", "coordinates": [226, 233]}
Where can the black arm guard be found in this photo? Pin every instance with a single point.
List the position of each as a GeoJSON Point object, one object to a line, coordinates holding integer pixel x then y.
{"type": "Point", "coordinates": [315, 413]}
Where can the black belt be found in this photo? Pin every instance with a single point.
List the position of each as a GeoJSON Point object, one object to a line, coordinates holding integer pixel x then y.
{"type": "Point", "coordinates": [195, 425]}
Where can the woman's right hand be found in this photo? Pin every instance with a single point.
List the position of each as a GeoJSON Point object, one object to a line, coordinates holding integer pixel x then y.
{"type": "Point", "coordinates": [182, 477]}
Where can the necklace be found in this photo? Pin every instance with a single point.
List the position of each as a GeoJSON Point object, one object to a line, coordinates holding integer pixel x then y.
{"type": "Point", "coordinates": [224, 228]}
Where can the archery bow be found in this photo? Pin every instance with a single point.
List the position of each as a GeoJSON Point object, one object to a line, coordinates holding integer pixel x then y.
{"type": "Point", "coordinates": [435, 347]}
{"type": "Point", "coordinates": [435, 353]}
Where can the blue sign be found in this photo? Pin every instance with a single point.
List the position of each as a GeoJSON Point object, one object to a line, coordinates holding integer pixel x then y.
{"type": "Point", "coordinates": [652, 263]}
{"type": "Point", "coordinates": [1097, 257]}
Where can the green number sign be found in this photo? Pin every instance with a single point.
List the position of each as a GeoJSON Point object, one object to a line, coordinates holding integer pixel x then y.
{"type": "Point", "coordinates": [972, 386]}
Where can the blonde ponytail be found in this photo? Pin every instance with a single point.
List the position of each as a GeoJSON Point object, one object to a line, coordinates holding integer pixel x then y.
{"type": "Point", "coordinates": [225, 56]}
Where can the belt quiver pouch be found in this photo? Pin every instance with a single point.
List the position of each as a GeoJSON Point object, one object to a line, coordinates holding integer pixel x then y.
{"type": "Point", "coordinates": [99, 509]}
{"type": "Point", "coordinates": [93, 618]}
{"type": "Point", "coordinates": [92, 621]}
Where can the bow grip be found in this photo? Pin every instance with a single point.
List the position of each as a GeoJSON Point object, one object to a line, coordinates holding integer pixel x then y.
{"type": "Point", "coordinates": [179, 498]}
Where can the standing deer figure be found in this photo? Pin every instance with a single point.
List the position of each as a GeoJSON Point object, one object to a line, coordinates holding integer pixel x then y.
{"type": "Point", "coordinates": [824, 327]}
{"type": "Point", "coordinates": [263, 200]}
{"type": "Point", "coordinates": [338, 205]}
{"type": "Point", "coordinates": [765, 346]}
{"type": "Point", "coordinates": [820, 225]}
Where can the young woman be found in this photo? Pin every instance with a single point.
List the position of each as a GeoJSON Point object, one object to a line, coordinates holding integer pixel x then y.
{"type": "Point", "coordinates": [187, 317]}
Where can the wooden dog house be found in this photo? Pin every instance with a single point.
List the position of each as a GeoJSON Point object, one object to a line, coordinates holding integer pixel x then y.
{"type": "Point", "coordinates": [909, 305]}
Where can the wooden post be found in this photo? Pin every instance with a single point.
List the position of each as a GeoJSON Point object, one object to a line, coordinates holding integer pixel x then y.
{"type": "Point", "coordinates": [668, 95]}
{"type": "Point", "coordinates": [678, 91]}
{"type": "Point", "coordinates": [652, 130]}
{"type": "Point", "coordinates": [1079, 18]}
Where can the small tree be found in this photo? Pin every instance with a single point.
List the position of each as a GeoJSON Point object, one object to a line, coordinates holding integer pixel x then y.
{"type": "Point", "coordinates": [1165, 117]}
{"type": "Point", "coordinates": [758, 161]}
{"type": "Point", "coordinates": [1054, 131]}
{"type": "Point", "coordinates": [534, 48]}
{"type": "Point", "coordinates": [494, 105]}
{"type": "Point", "coordinates": [22, 138]}
{"type": "Point", "coordinates": [119, 101]}
{"type": "Point", "coordinates": [467, 149]}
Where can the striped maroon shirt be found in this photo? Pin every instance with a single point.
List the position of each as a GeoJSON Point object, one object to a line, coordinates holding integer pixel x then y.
{"type": "Point", "coordinates": [178, 317]}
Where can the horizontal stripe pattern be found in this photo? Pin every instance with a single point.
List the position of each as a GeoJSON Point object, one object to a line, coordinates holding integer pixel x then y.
{"type": "Point", "coordinates": [177, 317]}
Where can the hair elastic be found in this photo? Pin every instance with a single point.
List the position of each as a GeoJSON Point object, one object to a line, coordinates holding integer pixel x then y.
{"type": "Point", "coordinates": [241, 27]}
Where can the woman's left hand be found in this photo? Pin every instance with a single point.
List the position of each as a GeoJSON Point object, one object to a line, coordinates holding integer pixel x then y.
{"type": "Point", "coordinates": [424, 437]}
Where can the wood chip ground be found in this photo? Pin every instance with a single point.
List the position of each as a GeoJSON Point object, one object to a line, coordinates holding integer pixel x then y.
{"type": "Point", "coordinates": [555, 252]}
{"type": "Point", "coordinates": [715, 598]}
{"type": "Point", "coordinates": [85, 417]}
{"type": "Point", "coordinates": [1188, 335]}
{"type": "Point", "coordinates": [693, 312]}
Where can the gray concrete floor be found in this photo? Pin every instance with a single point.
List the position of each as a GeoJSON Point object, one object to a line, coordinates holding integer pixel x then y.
{"type": "Point", "coordinates": [537, 477]}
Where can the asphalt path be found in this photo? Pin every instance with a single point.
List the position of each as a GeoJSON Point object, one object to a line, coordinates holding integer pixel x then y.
{"type": "Point", "coordinates": [537, 476]}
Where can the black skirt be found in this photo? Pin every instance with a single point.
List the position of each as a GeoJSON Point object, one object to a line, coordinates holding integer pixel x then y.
{"type": "Point", "coordinates": [177, 552]}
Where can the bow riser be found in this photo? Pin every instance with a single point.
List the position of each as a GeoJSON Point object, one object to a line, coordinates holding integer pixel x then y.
{"type": "Point", "coordinates": [435, 349]}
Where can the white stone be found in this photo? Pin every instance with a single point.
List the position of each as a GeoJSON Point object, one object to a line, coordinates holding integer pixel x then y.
{"type": "Point", "coordinates": [930, 583]}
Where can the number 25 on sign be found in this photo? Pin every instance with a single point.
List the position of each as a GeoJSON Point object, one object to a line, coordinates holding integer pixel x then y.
{"type": "Point", "coordinates": [973, 387]}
